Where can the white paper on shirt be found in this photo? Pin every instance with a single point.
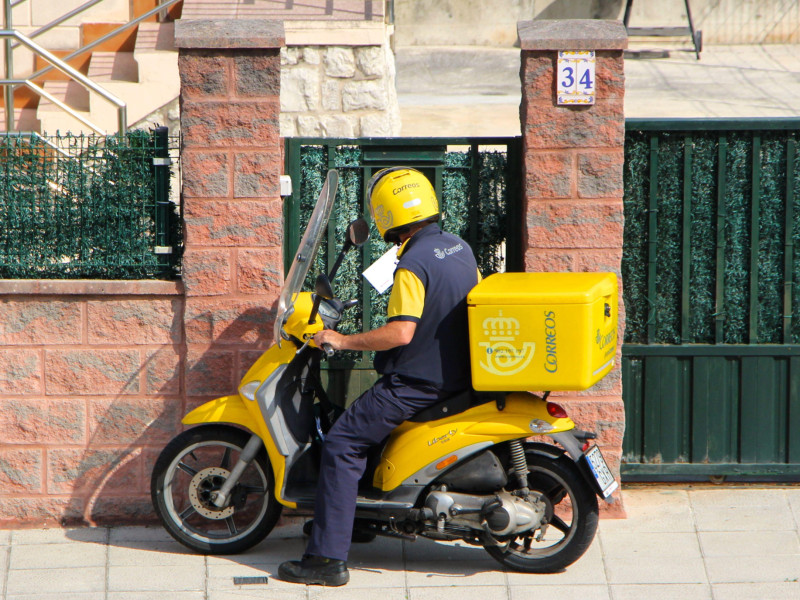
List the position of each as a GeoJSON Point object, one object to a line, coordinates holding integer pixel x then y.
{"type": "Point", "coordinates": [381, 273]}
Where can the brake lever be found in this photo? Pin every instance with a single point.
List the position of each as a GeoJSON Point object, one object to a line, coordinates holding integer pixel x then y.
{"type": "Point", "coordinates": [349, 304]}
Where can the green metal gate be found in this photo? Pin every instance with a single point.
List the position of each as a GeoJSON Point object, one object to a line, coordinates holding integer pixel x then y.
{"type": "Point", "coordinates": [711, 361]}
{"type": "Point", "coordinates": [476, 181]}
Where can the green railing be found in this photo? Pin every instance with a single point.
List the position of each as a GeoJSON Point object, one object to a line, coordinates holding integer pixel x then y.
{"type": "Point", "coordinates": [88, 207]}
{"type": "Point", "coordinates": [711, 365]}
{"type": "Point", "coordinates": [476, 180]}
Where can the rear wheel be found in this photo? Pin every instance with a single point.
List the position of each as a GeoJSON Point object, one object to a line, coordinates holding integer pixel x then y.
{"type": "Point", "coordinates": [194, 465]}
{"type": "Point", "coordinates": [571, 515]}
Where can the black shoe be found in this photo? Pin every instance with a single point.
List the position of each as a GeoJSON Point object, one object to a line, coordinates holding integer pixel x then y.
{"type": "Point", "coordinates": [315, 570]}
{"type": "Point", "coordinates": [359, 536]}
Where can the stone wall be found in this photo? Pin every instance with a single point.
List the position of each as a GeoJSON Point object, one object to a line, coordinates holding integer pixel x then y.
{"type": "Point", "coordinates": [338, 91]}
{"type": "Point", "coordinates": [95, 376]}
{"type": "Point", "coordinates": [91, 388]}
{"type": "Point", "coordinates": [572, 200]}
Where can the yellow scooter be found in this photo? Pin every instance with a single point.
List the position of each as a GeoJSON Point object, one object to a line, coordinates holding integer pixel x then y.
{"type": "Point", "coordinates": [460, 470]}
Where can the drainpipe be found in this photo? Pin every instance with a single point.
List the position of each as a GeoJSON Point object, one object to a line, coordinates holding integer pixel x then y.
{"type": "Point", "coordinates": [8, 90]}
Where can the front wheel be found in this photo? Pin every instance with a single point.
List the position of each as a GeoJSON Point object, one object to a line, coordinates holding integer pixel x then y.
{"type": "Point", "coordinates": [194, 465]}
{"type": "Point", "coordinates": [571, 515]}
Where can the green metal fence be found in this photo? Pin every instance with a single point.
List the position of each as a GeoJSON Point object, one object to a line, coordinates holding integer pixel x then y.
{"type": "Point", "coordinates": [711, 365]}
{"type": "Point", "coordinates": [476, 181]}
{"type": "Point", "coordinates": [88, 207]}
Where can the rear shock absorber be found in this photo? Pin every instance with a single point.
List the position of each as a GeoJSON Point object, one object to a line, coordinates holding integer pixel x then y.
{"type": "Point", "coordinates": [520, 464]}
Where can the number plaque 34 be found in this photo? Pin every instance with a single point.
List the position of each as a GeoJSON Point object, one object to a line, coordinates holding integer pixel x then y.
{"type": "Point", "coordinates": [575, 82]}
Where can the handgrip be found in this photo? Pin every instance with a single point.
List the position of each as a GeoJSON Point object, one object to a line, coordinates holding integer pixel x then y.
{"type": "Point", "coordinates": [328, 349]}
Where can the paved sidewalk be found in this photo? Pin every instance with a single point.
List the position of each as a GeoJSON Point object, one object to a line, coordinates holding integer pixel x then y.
{"type": "Point", "coordinates": [469, 91]}
{"type": "Point", "coordinates": [687, 543]}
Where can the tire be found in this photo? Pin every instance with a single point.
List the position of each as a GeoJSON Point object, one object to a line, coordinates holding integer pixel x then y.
{"type": "Point", "coordinates": [572, 514]}
{"type": "Point", "coordinates": [197, 462]}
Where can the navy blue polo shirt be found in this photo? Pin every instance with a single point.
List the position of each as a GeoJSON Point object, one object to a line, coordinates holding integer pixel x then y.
{"type": "Point", "coordinates": [438, 354]}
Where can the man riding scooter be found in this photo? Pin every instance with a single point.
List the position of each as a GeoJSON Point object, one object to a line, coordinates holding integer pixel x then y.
{"type": "Point", "coordinates": [422, 356]}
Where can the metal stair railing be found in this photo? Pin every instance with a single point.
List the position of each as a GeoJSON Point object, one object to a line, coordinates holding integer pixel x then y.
{"type": "Point", "coordinates": [163, 5]}
{"type": "Point", "coordinates": [10, 83]}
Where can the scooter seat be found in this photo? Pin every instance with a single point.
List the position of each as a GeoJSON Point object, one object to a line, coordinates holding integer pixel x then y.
{"type": "Point", "coordinates": [453, 405]}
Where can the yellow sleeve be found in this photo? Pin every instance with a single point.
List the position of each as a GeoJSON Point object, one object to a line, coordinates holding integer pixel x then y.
{"type": "Point", "coordinates": [407, 298]}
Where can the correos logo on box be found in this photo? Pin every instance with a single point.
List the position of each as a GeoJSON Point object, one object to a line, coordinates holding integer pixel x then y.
{"type": "Point", "coordinates": [504, 354]}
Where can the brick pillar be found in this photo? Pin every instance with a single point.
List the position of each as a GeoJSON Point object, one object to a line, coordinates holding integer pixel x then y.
{"type": "Point", "coordinates": [572, 172]}
{"type": "Point", "coordinates": [231, 163]}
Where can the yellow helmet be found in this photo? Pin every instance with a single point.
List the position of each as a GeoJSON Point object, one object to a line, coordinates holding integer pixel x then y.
{"type": "Point", "coordinates": [398, 198]}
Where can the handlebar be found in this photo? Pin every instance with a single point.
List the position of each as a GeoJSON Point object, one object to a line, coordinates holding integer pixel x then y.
{"type": "Point", "coordinates": [328, 349]}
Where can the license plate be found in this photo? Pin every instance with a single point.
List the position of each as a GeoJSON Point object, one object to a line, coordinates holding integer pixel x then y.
{"type": "Point", "coordinates": [601, 471]}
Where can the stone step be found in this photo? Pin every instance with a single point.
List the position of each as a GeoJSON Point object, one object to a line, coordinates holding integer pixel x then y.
{"type": "Point", "coordinates": [25, 119]}
{"type": "Point", "coordinates": [113, 66]}
{"type": "Point", "coordinates": [156, 36]}
{"type": "Point", "coordinates": [71, 93]}
{"type": "Point", "coordinates": [61, 121]}
{"type": "Point", "coordinates": [122, 42]}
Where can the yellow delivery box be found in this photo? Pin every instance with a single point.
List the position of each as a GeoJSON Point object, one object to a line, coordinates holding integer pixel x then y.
{"type": "Point", "coordinates": [542, 331]}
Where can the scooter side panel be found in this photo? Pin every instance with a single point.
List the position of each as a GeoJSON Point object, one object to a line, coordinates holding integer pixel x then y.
{"type": "Point", "coordinates": [413, 447]}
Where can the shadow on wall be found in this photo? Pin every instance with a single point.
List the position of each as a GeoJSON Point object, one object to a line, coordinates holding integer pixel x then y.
{"type": "Point", "coordinates": [110, 480]}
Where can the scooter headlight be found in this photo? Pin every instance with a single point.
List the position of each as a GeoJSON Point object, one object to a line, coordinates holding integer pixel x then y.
{"type": "Point", "coordinates": [248, 390]}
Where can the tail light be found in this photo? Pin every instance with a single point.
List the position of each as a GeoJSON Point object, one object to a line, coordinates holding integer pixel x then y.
{"type": "Point", "coordinates": [555, 411]}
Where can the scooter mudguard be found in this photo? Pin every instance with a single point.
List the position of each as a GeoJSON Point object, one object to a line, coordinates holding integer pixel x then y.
{"type": "Point", "coordinates": [227, 409]}
{"type": "Point", "coordinates": [417, 453]}
{"type": "Point", "coordinates": [232, 409]}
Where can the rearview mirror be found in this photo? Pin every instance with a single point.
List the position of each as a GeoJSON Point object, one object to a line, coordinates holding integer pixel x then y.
{"type": "Point", "coordinates": [358, 232]}
{"type": "Point", "coordinates": [323, 287]}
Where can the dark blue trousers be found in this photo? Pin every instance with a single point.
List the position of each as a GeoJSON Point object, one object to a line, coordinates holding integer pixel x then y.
{"type": "Point", "coordinates": [366, 423]}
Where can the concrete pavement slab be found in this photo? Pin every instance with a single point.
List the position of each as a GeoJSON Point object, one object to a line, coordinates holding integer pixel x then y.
{"type": "Point", "coordinates": [753, 569]}
{"type": "Point", "coordinates": [743, 518]}
{"type": "Point", "coordinates": [184, 578]}
{"type": "Point", "coordinates": [60, 596]}
{"type": "Point", "coordinates": [449, 573]}
{"type": "Point", "coordinates": [668, 591]}
{"type": "Point", "coordinates": [559, 592]}
{"type": "Point", "coordinates": [428, 550]}
{"type": "Point", "coordinates": [646, 545]}
{"type": "Point", "coordinates": [654, 510]}
{"type": "Point", "coordinates": [97, 535]}
{"type": "Point", "coordinates": [56, 581]}
{"type": "Point", "coordinates": [457, 593]}
{"type": "Point", "coordinates": [673, 570]}
{"type": "Point", "coordinates": [793, 496]}
{"type": "Point", "coordinates": [5, 538]}
{"type": "Point", "coordinates": [587, 570]}
{"type": "Point", "coordinates": [297, 593]}
{"type": "Point", "coordinates": [762, 591]}
{"type": "Point", "coordinates": [375, 574]}
{"type": "Point", "coordinates": [457, 91]}
{"type": "Point", "coordinates": [345, 593]}
{"type": "Point", "coordinates": [119, 535]}
{"type": "Point", "coordinates": [155, 596]}
{"type": "Point", "coordinates": [57, 556]}
{"type": "Point", "coordinates": [4, 557]}
{"type": "Point", "coordinates": [143, 554]}
{"type": "Point", "coordinates": [762, 543]}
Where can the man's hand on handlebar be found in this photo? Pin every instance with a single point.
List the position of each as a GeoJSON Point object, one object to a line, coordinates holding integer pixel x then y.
{"type": "Point", "coordinates": [330, 337]}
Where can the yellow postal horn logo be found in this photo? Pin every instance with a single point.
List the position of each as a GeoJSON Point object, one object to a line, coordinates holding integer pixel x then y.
{"type": "Point", "coordinates": [504, 355]}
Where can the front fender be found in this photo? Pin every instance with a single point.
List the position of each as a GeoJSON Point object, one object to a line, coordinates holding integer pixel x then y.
{"type": "Point", "coordinates": [232, 409]}
{"type": "Point", "coordinates": [227, 409]}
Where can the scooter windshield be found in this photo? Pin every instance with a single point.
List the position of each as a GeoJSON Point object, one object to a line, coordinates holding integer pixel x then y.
{"type": "Point", "coordinates": [306, 251]}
